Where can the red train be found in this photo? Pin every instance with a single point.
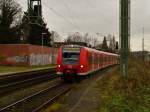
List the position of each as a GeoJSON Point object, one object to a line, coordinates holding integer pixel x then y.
{"type": "Point", "coordinates": [74, 61]}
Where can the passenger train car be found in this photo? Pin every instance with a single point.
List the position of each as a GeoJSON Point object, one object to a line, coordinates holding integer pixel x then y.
{"type": "Point", "coordinates": [74, 61]}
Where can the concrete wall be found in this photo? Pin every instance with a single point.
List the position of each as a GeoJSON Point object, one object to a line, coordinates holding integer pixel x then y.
{"type": "Point", "coordinates": [26, 54]}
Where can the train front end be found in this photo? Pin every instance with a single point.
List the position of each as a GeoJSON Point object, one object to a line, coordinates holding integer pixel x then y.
{"type": "Point", "coordinates": [68, 62]}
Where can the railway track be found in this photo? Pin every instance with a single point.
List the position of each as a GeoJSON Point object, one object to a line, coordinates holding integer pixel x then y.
{"type": "Point", "coordinates": [38, 100]}
{"type": "Point", "coordinates": [6, 88]}
{"type": "Point", "coordinates": [10, 78]}
{"type": "Point", "coordinates": [14, 81]}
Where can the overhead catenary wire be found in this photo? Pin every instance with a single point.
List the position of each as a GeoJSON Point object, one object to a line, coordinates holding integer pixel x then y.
{"type": "Point", "coordinates": [66, 5]}
{"type": "Point", "coordinates": [62, 16]}
{"type": "Point", "coordinates": [69, 12]}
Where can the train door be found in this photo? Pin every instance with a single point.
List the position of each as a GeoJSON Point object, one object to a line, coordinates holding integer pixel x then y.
{"type": "Point", "coordinates": [93, 61]}
{"type": "Point", "coordinates": [98, 60]}
{"type": "Point", "coordinates": [102, 60]}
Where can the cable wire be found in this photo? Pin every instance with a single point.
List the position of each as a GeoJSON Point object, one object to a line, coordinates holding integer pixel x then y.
{"type": "Point", "coordinates": [69, 12]}
{"type": "Point", "coordinates": [60, 15]}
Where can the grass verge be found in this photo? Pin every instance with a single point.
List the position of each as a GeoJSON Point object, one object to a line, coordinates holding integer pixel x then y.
{"type": "Point", "coordinates": [10, 69]}
{"type": "Point", "coordinates": [126, 95]}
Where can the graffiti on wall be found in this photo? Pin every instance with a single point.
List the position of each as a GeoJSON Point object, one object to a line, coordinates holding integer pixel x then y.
{"type": "Point", "coordinates": [18, 59]}
{"type": "Point", "coordinates": [33, 59]}
{"type": "Point", "coordinates": [39, 59]}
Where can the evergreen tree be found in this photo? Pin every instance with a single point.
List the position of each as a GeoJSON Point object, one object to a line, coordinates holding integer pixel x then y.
{"type": "Point", "coordinates": [117, 46]}
{"type": "Point", "coordinates": [104, 44]}
{"type": "Point", "coordinates": [33, 27]}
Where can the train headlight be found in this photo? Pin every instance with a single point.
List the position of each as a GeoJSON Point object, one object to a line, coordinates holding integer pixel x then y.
{"type": "Point", "coordinates": [59, 66]}
{"type": "Point", "coordinates": [81, 66]}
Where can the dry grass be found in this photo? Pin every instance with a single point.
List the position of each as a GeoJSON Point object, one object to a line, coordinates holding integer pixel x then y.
{"type": "Point", "coordinates": [54, 107]}
{"type": "Point", "coordinates": [131, 95]}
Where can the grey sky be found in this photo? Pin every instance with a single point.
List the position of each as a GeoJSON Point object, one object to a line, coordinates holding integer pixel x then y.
{"type": "Point", "coordinates": [96, 16]}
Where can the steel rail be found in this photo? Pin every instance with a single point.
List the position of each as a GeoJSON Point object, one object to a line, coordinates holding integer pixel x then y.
{"type": "Point", "coordinates": [29, 97]}
{"type": "Point", "coordinates": [4, 80]}
{"type": "Point", "coordinates": [20, 82]}
{"type": "Point", "coordinates": [24, 83]}
{"type": "Point", "coordinates": [51, 100]}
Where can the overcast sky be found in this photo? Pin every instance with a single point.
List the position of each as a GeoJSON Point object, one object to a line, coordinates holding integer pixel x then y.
{"type": "Point", "coordinates": [96, 16]}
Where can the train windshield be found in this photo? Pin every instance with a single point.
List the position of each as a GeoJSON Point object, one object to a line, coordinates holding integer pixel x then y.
{"type": "Point", "coordinates": [71, 57]}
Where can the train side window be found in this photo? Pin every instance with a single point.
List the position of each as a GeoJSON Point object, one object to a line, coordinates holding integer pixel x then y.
{"type": "Point", "coordinates": [99, 59]}
{"type": "Point", "coordinates": [102, 59]}
{"type": "Point", "coordinates": [90, 58]}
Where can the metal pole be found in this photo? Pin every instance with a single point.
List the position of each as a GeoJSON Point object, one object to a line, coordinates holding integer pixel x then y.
{"type": "Point", "coordinates": [124, 35]}
{"type": "Point", "coordinates": [42, 49]}
{"type": "Point", "coordinates": [143, 45]}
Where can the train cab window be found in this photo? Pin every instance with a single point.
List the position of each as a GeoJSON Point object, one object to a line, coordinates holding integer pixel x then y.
{"type": "Point", "coordinates": [71, 57]}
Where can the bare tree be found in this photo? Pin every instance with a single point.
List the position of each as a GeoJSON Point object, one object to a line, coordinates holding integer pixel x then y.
{"type": "Point", "coordinates": [10, 16]}
{"type": "Point", "coordinates": [87, 38]}
{"type": "Point", "coordinates": [69, 39]}
{"type": "Point", "coordinates": [112, 44]}
{"type": "Point", "coordinates": [94, 41]}
{"type": "Point", "coordinates": [10, 13]}
{"type": "Point", "coordinates": [76, 37]}
{"type": "Point", "coordinates": [55, 36]}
